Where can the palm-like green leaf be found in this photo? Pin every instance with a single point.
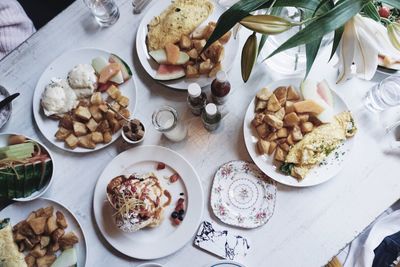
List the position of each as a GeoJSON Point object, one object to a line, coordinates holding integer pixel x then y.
{"type": "Point", "coordinates": [371, 11]}
{"type": "Point", "coordinates": [232, 16]}
{"type": "Point", "coordinates": [306, 4]}
{"type": "Point", "coordinates": [324, 24]}
{"type": "Point", "coordinates": [393, 3]}
{"type": "Point", "coordinates": [336, 40]}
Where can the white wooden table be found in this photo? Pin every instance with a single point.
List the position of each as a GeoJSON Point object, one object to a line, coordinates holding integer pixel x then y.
{"type": "Point", "coordinates": [309, 226]}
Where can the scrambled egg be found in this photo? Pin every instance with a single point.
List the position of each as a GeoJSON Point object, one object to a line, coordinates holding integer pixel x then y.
{"type": "Point", "coordinates": [58, 98]}
{"type": "Point", "coordinates": [181, 17]}
{"type": "Point", "coordinates": [318, 144]}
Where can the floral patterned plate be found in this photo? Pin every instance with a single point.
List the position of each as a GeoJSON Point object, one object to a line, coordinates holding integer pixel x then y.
{"type": "Point", "coordinates": [242, 195]}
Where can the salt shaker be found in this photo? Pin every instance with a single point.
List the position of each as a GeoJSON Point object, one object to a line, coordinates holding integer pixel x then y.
{"type": "Point", "coordinates": [211, 117]}
{"type": "Point", "coordinates": [220, 88]}
{"type": "Point", "coordinates": [197, 100]}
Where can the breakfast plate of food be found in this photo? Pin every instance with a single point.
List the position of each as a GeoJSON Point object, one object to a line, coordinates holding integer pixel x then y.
{"type": "Point", "coordinates": [171, 37]}
{"type": "Point", "coordinates": [26, 167]}
{"type": "Point", "coordinates": [148, 202]}
{"type": "Point", "coordinates": [80, 97]}
{"type": "Point", "coordinates": [41, 233]}
{"type": "Point", "coordinates": [299, 133]}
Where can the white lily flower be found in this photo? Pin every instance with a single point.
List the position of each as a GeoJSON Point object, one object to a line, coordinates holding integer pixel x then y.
{"type": "Point", "coordinates": [363, 41]}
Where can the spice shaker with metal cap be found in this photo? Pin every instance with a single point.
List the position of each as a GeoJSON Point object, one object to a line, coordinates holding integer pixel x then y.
{"type": "Point", "coordinates": [211, 117]}
{"type": "Point", "coordinates": [197, 99]}
{"type": "Point", "coordinates": [220, 88]}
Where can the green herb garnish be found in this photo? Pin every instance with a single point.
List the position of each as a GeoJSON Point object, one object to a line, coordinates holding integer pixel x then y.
{"type": "Point", "coordinates": [286, 168]}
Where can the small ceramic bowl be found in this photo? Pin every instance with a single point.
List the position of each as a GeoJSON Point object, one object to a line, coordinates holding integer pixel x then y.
{"type": "Point", "coordinates": [3, 142]}
{"type": "Point", "coordinates": [129, 141]}
{"type": "Point", "coordinates": [5, 93]}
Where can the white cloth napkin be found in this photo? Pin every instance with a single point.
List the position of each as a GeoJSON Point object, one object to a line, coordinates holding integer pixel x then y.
{"type": "Point", "coordinates": [361, 253]}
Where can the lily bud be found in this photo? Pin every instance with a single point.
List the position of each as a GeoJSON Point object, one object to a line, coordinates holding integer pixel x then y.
{"type": "Point", "coordinates": [249, 56]}
{"type": "Point", "coordinates": [394, 34]}
{"type": "Point", "coordinates": [266, 24]}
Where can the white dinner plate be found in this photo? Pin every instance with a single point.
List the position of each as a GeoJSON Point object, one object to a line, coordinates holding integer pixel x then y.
{"type": "Point", "coordinates": [19, 211]}
{"type": "Point", "coordinates": [231, 48]}
{"type": "Point", "coordinates": [4, 142]}
{"type": "Point", "coordinates": [151, 243]}
{"type": "Point", "coordinates": [59, 68]}
{"type": "Point", "coordinates": [319, 174]}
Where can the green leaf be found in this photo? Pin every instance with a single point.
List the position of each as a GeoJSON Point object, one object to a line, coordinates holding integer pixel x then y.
{"type": "Point", "coordinates": [324, 24]}
{"type": "Point", "coordinates": [371, 11]}
{"type": "Point", "coordinates": [311, 53]}
{"type": "Point", "coordinates": [323, 6]}
{"type": "Point", "coordinates": [393, 3]}
{"type": "Point", "coordinates": [336, 40]}
{"type": "Point", "coordinates": [307, 4]}
{"type": "Point", "coordinates": [232, 16]}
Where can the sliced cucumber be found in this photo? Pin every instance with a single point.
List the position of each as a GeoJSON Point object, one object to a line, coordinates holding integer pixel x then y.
{"type": "Point", "coordinates": [99, 63]}
{"type": "Point", "coordinates": [66, 259]}
{"type": "Point", "coordinates": [126, 71]}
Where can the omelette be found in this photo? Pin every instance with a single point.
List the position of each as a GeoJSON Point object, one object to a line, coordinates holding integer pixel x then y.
{"type": "Point", "coordinates": [180, 18]}
{"type": "Point", "coordinates": [9, 254]}
{"type": "Point", "coordinates": [318, 144]}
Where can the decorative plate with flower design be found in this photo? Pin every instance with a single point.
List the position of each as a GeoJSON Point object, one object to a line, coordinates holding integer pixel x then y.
{"type": "Point", "coordinates": [242, 195]}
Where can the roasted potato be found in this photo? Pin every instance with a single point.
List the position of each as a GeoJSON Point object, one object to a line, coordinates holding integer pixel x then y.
{"type": "Point", "coordinates": [273, 121]}
{"type": "Point", "coordinates": [272, 147]}
{"type": "Point", "coordinates": [60, 219]}
{"type": "Point", "coordinates": [37, 251]}
{"type": "Point", "coordinates": [263, 146]}
{"type": "Point", "coordinates": [273, 103]}
{"type": "Point", "coordinates": [38, 225]}
{"type": "Point", "coordinates": [62, 133]}
{"type": "Point", "coordinates": [83, 113]}
{"type": "Point", "coordinates": [291, 119]}
{"type": "Point", "coordinates": [92, 125]}
{"type": "Point", "coordinates": [68, 240]}
{"type": "Point", "coordinates": [185, 42]}
{"type": "Point", "coordinates": [46, 261]}
{"type": "Point", "coordinates": [79, 128]}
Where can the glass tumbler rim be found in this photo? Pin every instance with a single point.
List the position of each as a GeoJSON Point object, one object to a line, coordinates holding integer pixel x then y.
{"type": "Point", "coordinates": [155, 114]}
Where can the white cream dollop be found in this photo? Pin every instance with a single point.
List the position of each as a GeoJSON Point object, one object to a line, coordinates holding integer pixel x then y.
{"type": "Point", "coordinates": [58, 98]}
{"type": "Point", "coordinates": [82, 78]}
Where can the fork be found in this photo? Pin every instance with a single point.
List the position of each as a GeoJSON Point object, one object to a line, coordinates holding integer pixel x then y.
{"type": "Point", "coordinates": [139, 5]}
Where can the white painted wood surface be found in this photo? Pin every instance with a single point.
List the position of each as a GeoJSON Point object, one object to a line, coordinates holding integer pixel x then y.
{"type": "Point", "coordinates": [309, 225]}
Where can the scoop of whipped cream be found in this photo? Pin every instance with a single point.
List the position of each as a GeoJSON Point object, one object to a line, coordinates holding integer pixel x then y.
{"type": "Point", "coordinates": [83, 80]}
{"type": "Point", "coordinates": [58, 98]}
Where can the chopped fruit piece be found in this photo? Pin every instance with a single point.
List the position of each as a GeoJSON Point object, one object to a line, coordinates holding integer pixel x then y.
{"type": "Point", "coordinates": [172, 52]}
{"type": "Point", "coordinates": [169, 72]}
{"type": "Point", "coordinates": [307, 106]}
{"type": "Point", "coordinates": [160, 166]}
{"type": "Point", "coordinates": [108, 72]}
{"type": "Point", "coordinates": [117, 78]}
{"type": "Point", "coordinates": [104, 86]}
{"type": "Point", "coordinates": [160, 56]}
{"type": "Point", "coordinates": [173, 178]}
{"type": "Point", "coordinates": [99, 63]}
{"type": "Point", "coordinates": [126, 71]}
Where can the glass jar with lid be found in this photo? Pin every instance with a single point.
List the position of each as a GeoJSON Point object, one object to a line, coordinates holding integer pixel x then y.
{"type": "Point", "coordinates": [166, 121]}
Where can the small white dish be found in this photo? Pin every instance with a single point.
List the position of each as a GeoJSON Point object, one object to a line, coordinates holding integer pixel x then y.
{"type": "Point", "coordinates": [150, 66]}
{"type": "Point", "coordinates": [151, 243]}
{"type": "Point", "coordinates": [242, 195]}
{"type": "Point", "coordinates": [59, 68]}
{"type": "Point", "coordinates": [129, 141]}
{"type": "Point", "coordinates": [4, 142]}
{"type": "Point", "coordinates": [318, 174]}
{"type": "Point", "coordinates": [19, 211]}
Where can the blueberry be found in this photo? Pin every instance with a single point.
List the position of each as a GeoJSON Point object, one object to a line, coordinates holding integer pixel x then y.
{"type": "Point", "coordinates": [181, 212]}
{"type": "Point", "coordinates": [174, 215]}
{"type": "Point", "coordinates": [180, 217]}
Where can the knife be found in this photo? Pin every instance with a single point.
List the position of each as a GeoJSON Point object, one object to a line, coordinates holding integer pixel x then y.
{"type": "Point", "coordinates": [8, 100]}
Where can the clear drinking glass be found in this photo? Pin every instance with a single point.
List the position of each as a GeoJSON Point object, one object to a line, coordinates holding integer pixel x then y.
{"type": "Point", "coordinates": [106, 12]}
{"type": "Point", "coordinates": [165, 120]}
{"type": "Point", "coordinates": [384, 95]}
